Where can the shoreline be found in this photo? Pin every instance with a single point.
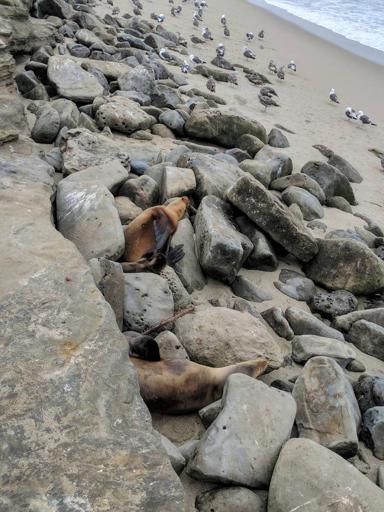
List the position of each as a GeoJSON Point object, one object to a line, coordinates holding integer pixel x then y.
{"type": "Point", "coordinates": [356, 48]}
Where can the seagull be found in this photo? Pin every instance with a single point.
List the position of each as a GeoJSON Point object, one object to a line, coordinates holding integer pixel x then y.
{"type": "Point", "coordinates": [197, 40]}
{"type": "Point", "coordinates": [137, 3]}
{"type": "Point", "coordinates": [137, 11]}
{"type": "Point", "coordinates": [160, 18]}
{"type": "Point", "coordinates": [185, 67]}
{"type": "Point", "coordinates": [220, 50]}
{"type": "Point", "coordinates": [280, 73]}
{"type": "Point", "coordinates": [197, 16]}
{"type": "Point", "coordinates": [260, 35]}
{"type": "Point", "coordinates": [178, 9]}
{"type": "Point", "coordinates": [272, 67]}
{"type": "Point", "coordinates": [223, 20]}
{"type": "Point", "coordinates": [351, 113]}
{"type": "Point", "coordinates": [173, 11]}
{"type": "Point", "coordinates": [206, 33]}
{"type": "Point", "coordinates": [248, 53]}
{"type": "Point", "coordinates": [211, 84]}
{"type": "Point", "coordinates": [364, 118]}
{"type": "Point", "coordinates": [292, 66]}
{"type": "Point", "coordinates": [333, 96]}
{"type": "Point", "coordinates": [267, 101]}
{"type": "Point", "coordinates": [196, 60]}
{"type": "Point", "coordinates": [249, 36]}
{"type": "Point", "coordinates": [226, 31]}
{"type": "Point", "coordinates": [164, 55]}
{"type": "Point", "coordinates": [267, 90]}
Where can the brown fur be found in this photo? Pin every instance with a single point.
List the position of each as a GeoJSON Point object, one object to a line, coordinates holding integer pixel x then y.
{"type": "Point", "coordinates": [177, 386]}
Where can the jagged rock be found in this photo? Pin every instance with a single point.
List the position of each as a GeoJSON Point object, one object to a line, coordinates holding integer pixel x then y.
{"type": "Point", "coordinates": [333, 304]}
{"type": "Point", "coordinates": [263, 256]}
{"type": "Point", "coordinates": [206, 332]}
{"type": "Point", "coordinates": [368, 337]}
{"type": "Point", "coordinates": [177, 460]}
{"type": "Point", "coordinates": [42, 54]}
{"type": "Point", "coordinates": [138, 79]}
{"type": "Point", "coordinates": [53, 157]}
{"type": "Point", "coordinates": [147, 301]}
{"type": "Point", "coordinates": [142, 191]}
{"type": "Point", "coordinates": [173, 120]}
{"type": "Point", "coordinates": [127, 209]}
{"type": "Point", "coordinates": [170, 347]}
{"type": "Point", "coordinates": [332, 181]}
{"type": "Point", "coordinates": [369, 392]}
{"type": "Point", "coordinates": [123, 115]}
{"type": "Point", "coordinates": [301, 181]}
{"type": "Point", "coordinates": [46, 126]}
{"type": "Point", "coordinates": [295, 285]}
{"type": "Point", "coordinates": [346, 265]}
{"type": "Point", "coordinates": [340, 203]}
{"type": "Point", "coordinates": [111, 174]}
{"type": "Point", "coordinates": [278, 161]}
{"type": "Point", "coordinates": [210, 412]}
{"type": "Point", "coordinates": [246, 289]}
{"type": "Point", "coordinates": [188, 268]}
{"type": "Point", "coordinates": [262, 171]}
{"type": "Point", "coordinates": [68, 112]}
{"type": "Point", "coordinates": [244, 432]}
{"type": "Point", "coordinates": [12, 117]}
{"type": "Point", "coordinates": [221, 249]}
{"type": "Point", "coordinates": [72, 81]}
{"type": "Point", "coordinates": [306, 323]}
{"type": "Point", "coordinates": [277, 139]}
{"type": "Point", "coordinates": [229, 499]}
{"type": "Point", "coordinates": [250, 143]}
{"type": "Point", "coordinates": [58, 8]}
{"type": "Point", "coordinates": [177, 182]}
{"type": "Point", "coordinates": [30, 87]}
{"type": "Point", "coordinates": [308, 203]}
{"type": "Point", "coordinates": [335, 419]}
{"type": "Point", "coordinates": [166, 97]}
{"type": "Point", "coordinates": [341, 164]}
{"type": "Point", "coordinates": [222, 127]}
{"type": "Point", "coordinates": [276, 319]}
{"type": "Point", "coordinates": [307, 346]}
{"type": "Point", "coordinates": [372, 431]}
{"type": "Point", "coordinates": [317, 470]}
{"type": "Point", "coordinates": [375, 315]}
{"type": "Point", "coordinates": [272, 217]}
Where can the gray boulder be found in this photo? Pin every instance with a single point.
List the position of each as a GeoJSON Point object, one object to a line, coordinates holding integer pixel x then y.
{"type": "Point", "coordinates": [374, 315]}
{"type": "Point", "coordinates": [295, 285]}
{"type": "Point", "coordinates": [210, 412]}
{"type": "Point", "coordinates": [333, 304]}
{"type": "Point", "coordinates": [138, 79]}
{"type": "Point", "coordinates": [176, 458]}
{"type": "Point", "coordinates": [46, 126]}
{"type": "Point", "coordinates": [112, 175]}
{"type": "Point", "coordinates": [327, 409]}
{"type": "Point", "coordinates": [263, 256]}
{"type": "Point", "coordinates": [78, 50]}
{"type": "Point", "coordinates": [243, 443]}
{"type": "Point", "coordinates": [173, 120]}
{"type": "Point", "coordinates": [166, 97]}
{"type": "Point", "coordinates": [68, 112]}
{"type": "Point", "coordinates": [301, 181]}
{"type": "Point", "coordinates": [142, 191]}
{"type": "Point", "coordinates": [368, 337]}
{"type": "Point", "coordinates": [147, 301]}
{"type": "Point", "coordinates": [306, 323]}
{"type": "Point", "coordinates": [12, 117]}
{"type": "Point", "coordinates": [246, 289]}
{"type": "Point", "coordinates": [276, 319]}
{"type": "Point", "coordinates": [250, 143]}
{"type": "Point", "coordinates": [372, 431]}
{"type": "Point", "coordinates": [221, 249]}
{"type": "Point", "coordinates": [264, 172]}
{"type": "Point", "coordinates": [307, 346]}
{"type": "Point", "coordinates": [277, 139]}
{"type": "Point", "coordinates": [369, 392]}
{"type": "Point", "coordinates": [176, 182]}
{"type": "Point", "coordinates": [181, 297]}
{"type": "Point", "coordinates": [170, 347]}
{"type": "Point", "coordinates": [127, 209]}
{"type": "Point", "coordinates": [278, 161]}
{"type": "Point", "coordinates": [123, 115]}
{"type": "Point", "coordinates": [340, 203]}
{"type": "Point", "coordinates": [272, 217]}
{"type": "Point", "coordinates": [341, 164]}
{"type": "Point", "coordinates": [229, 499]}
{"type": "Point", "coordinates": [308, 203]}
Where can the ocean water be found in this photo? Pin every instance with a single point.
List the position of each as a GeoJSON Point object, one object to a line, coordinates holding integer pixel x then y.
{"type": "Point", "coordinates": [359, 20]}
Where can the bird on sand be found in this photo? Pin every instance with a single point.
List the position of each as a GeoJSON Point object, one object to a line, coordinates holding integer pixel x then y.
{"type": "Point", "coordinates": [333, 96]}
{"type": "Point", "coordinates": [206, 33]}
{"type": "Point", "coordinates": [196, 60]}
{"type": "Point", "coordinates": [211, 84]}
{"type": "Point", "coordinates": [220, 50]}
{"type": "Point", "coordinates": [226, 31]}
{"type": "Point", "coordinates": [272, 67]}
{"type": "Point", "coordinates": [280, 73]}
{"type": "Point", "coordinates": [267, 90]}
{"type": "Point", "coordinates": [364, 118]}
{"type": "Point", "coordinates": [136, 11]}
{"type": "Point", "coordinates": [185, 67]}
{"type": "Point", "coordinates": [292, 66]}
{"type": "Point", "coordinates": [248, 53]}
{"type": "Point", "coordinates": [223, 20]}
{"type": "Point", "coordinates": [351, 113]}
{"type": "Point", "coordinates": [261, 34]}
{"type": "Point", "coordinates": [267, 101]}
{"type": "Point", "coordinates": [249, 36]}
{"type": "Point", "coordinates": [164, 55]}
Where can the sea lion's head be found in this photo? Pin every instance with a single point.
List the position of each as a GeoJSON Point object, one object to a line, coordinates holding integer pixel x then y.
{"type": "Point", "coordinates": [178, 206]}
{"type": "Point", "coordinates": [142, 346]}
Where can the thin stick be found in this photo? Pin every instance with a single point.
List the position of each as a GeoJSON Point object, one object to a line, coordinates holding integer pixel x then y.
{"type": "Point", "coordinates": [177, 315]}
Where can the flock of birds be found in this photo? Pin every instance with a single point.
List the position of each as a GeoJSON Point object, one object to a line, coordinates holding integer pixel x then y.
{"type": "Point", "coordinates": [351, 112]}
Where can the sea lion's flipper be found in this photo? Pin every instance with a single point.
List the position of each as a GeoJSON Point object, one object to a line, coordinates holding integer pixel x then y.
{"type": "Point", "coordinates": [163, 231]}
{"type": "Point", "coordinates": [157, 263]}
{"type": "Point", "coordinates": [144, 347]}
{"type": "Point", "coordinates": [175, 254]}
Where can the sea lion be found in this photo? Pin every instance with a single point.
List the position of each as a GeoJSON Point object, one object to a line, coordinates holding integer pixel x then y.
{"type": "Point", "coordinates": [178, 386]}
{"type": "Point", "coordinates": [148, 236]}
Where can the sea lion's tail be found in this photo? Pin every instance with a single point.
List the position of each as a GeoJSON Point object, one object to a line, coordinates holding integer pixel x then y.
{"type": "Point", "coordinates": [254, 368]}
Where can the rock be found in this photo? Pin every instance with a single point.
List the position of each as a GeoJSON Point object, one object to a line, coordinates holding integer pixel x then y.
{"type": "Point", "coordinates": [112, 175]}
{"type": "Point", "coordinates": [210, 412]}
{"type": "Point", "coordinates": [46, 126]}
{"type": "Point", "coordinates": [278, 161]}
{"type": "Point", "coordinates": [375, 315]}
{"type": "Point", "coordinates": [356, 366]}
{"type": "Point", "coordinates": [332, 181]}
{"type": "Point", "coordinates": [317, 469]}
{"type": "Point", "coordinates": [157, 42]}
{"type": "Point", "coordinates": [255, 421]}
{"type": "Point", "coordinates": [262, 171]}
{"type": "Point", "coordinates": [276, 319]}
{"type": "Point", "coordinates": [307, 346]}
{"type": "Point", "coordinates": [222, 127]}
{"type": "Point", "coordinates": [54, 158]}
{"type": "Point", "coordinates": [221, 337]}
{"type": "Point", "coordinates": [138, 79]}
{"type": "Point", "coordinates": [30, 87]}
{"type": "Point", "coordinates": [369, 392]}
{"type": "Point", "coordinates": [173, 120]}
{"type": "Point", "coordinates": [277, 139]}
{"type": "Point", "coordinates": [316, 224]}
{"type": "Point", "coordinates": [380, 476]}
{"type": "Point", "coordinates": [341, 164]}
{"type": "Point", "coordinates": [181, 297]}
{"type": "Point", "coordinates": [78, 50]}
{"type": "Point", "coordinates": [220, 62]}
{"type": "Point", "coordinates": [217, 74]}
{"type": "Point", "coordinates": [170, 347]}
{"type": "Point", "coordinates": [228, 499]}
{"type": "Point", "coordinates": [188, 268]}
{"type": "Point", "coordinates": [239, 154]}
{"type": "Point", "coordinates": [305, 323]}
{"type": "Point", "coordinates": [109, 279]}
{"type": "Point", "coordinates": [308, 203]}
{"type": "Point", "coordinates": [295, 285]}
{"type": "Point", "coordinates": [283, 386]}
{"type": "Point", "coordinates": [372, 431]}
{"type": "Point", "coordinates": [246, 289]}
{"type": "Point", "coordinates": [327, 410]}
{"type": "Point", "coordinates": [88, 217]}
{"type": "Point", "coordinates": [123, 115]}
{"type": "Point", "coordinates": [346, 265]}
{"type": "Point", "coordinates": [240, 304]}
{"type": "Point", "coordinates": [262, 256]}
{"type": "Point", "coordinates": [250, 143]}
{"type": "Point", "coordinates": [72, 81]}
{"type": "Point", "coordinates": [100, 77]}
{"type": "Point", "coordinates": [272, 217]}
{"type": "Point", "coordinates": [166, 97]}
{"type": "Point", "coordinates": [142, 191]}
{"type": "Point", "coordinates": [147, 301]}
{"type": "Point", "coordinates": [212, 176]}
{"type": "Point", "coordinates": [301, 181]}
{"type": "Point", "coordinates": [188, 448]}
{"type": "Point", "coordinates": [68, 112]}
{"type": "Point", "coordinates": [340, 203]}
{"type": "Point", "coordinates": [221, 249]}
{"type": "Point", "coordinates": [127, 209]}
{"type": "Point", "coordinates": [177, 182]}
{"type": "Point", "coordinates": [207, 95]}
{"type": "Point", "coordinates": [58, 8]}
{"type": "Point", "coordinates": [333, 304]}
{"type": "Point", "coordinates": [177, 460]}
{"type": "Point", "coordinates": [368, 337]}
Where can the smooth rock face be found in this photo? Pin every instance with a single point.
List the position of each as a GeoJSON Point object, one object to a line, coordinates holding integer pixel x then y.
{"type": "Point", "coordinates": [301, 181]}
{"type": "Point", "coordinates": [333, 304]}
{"type": "Point", "coordinates": [272, 217]}
{"type": "Point", "coordinates": [277, 139]}
{"type": "Point", "coordinates": [327, 409]}
{"type": "Point", "coordinates": [137, 79]}
{"type": "Point", "coordinates": [374, 315]}
{"type": "Point", "coordinates": [170, 347]}
{"type": "Point", "coordinates": [229, 499]}
{"type": "Point", "coordinates": [373, 430]}
{"type": "Point", "coordinates": [127, 209]}
{"type": "Point", "coordinates": [295, 285]}
{"type": "Point", "coordinates": [242, 445]}
{"type": "Point", "coordinates": [246, 289]}
{"type": "Point", "coordinates": [307, 346]}
{"type": "Point", "coordinates": [222, 127]}
{"type": "Point", "coordinates": [276, 319]}
{"type": "Point", "coordinates": [346, 265]}
{"type": "Point", "coordinates": [263, 256]}
{"type": "Point", "coordinates": [308, 203]}
{"type": "Point", "coordinates": [369, 392]}
{"type": "Point", "coordinates": [322, 481]}
{"type": "Point", "coordinates": [88, 217]}
{"type": "Point", "coordinates": [177, 182]}
{"type": "Point", "coordinates": [306, 323]}
{"type": "Point", "coordinates": [142, 191]}
{"type": "Point", "coordinates": [123, 115]}
{"type": "Point", "coordinates": [368, 337]}
{"type": "Point", "coordinates": [111, 174]}
{"type": "Point", "coordinates": [46, 126]}
{"type": "Point", "coordinates": [221, 248]}
{"type": "Point", "coordinates": [147, 301]}
{"type": "Point", "coordinates": [221, 337]}
{"type": "Point", "coordinates": [277, 160]}
{"type": "Point", "coordinates": [177, 460]}
{"type": "Point", "coordinates": [72, 81]}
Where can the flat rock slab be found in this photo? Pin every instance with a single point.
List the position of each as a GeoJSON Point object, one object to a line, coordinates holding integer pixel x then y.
{"type": "Point", "coordinates": [368, 337]}
{"type": "Point", "coordinates": [123, 115]}
{"type": "Point", "coordinates": [72, 81]}
{"type": "Point", "coordinates": [307, 346]}
{"type": "Point", "coordinates": [303, 322]}
{"type": "Point", "coordinates": [242, 445]}
{"type": "Point", "coordinates": [334, 304]}
{"type": "Point", "coordinates": [327, 409]}
{"type": "Point", "coordinates": [295, 285]}
{"type": "Point", "coordinates": [112, 175]}
{"type": "Point", "coordinates": [321, 481]}
{"type": "Point", "coordinates": [374, 315]}
{"type": "Point", "coordinates": [309, 204]}
{"type": "Point", "coordinates": [253, 199]}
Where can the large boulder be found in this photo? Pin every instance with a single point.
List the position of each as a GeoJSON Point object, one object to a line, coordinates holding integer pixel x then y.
{"type": "Point", "coordinates": [263, 256]}
{"type": "Point", "coordinates": [242, 445]}
{"type": "Point", "coordinates": [373, 430]}
{"type": "Point", "coordinates": [111, 174]}
{"type": "Point", "coordinates": [303, 322]}
{"type": "Point", "coordinates": [320, 482]}
{"type": "Point", "coordinates": [368, 337]}
{"type": "Point", "coordinates": [218, 336]}
{"type": "Point", "coordinates": [279, 162]}
{"type": "Point", "coordinates": [299, 180]}
{"type": "Point", "coordinates": [59, 8]}
{"type": "Point", "coordinates": [346, 265]}
{"type": "Point", "coordinates": [306, 346]}
{"type": "Point", "coordinates": [12, 117]}
{"type": "Point", "coordinates": [221, 249]}
{"type": "Point", "coordinates": [123, 115]}
{"type": "Point", "coordinates": [269, 214]}
{"type": "Point", "coordinates": [138, 79]}
{"type": "Point", "coordinates": [375, 315]}
{"type": "Point", "coordinates": [309, 204]}
{"type": "Point", "coordinates": [224, 128]}
{"type": "Point", "coordinates": [341, 164]}
{"type": "Point", "coordinates": [46, 126]}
